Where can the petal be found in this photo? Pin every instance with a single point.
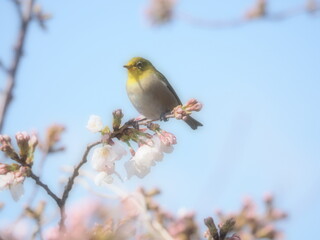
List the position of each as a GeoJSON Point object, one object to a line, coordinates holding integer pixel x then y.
{"type": "Point", "coordinates": [133, 169]}
{"type": "Point", "coordinates": [102, 179]}
{"type": "Point", "coordinates": [100, 158]}
{"type": "Point", "coordinates": [6, 180]}
{"type": "Point", "coordinates": [17, 191]}
{"type": "Point", "coordinates": [118, 149]}
{"type": "Point", "coordinates": [94, 124]}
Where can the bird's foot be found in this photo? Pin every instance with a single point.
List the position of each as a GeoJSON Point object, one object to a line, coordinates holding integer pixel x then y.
{"type": "Point", "coordinates": [163, 116]}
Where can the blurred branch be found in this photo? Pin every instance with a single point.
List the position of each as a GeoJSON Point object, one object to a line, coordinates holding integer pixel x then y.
{"type": "Point", "coordinates": [220, 232]}
{"type": "Point", "coordinates": [18, 53]}
{"type": "Point", "coordinates": [37, 215]}
{"type": "Point", "coordinates": [163, 13]}
{"type": "Point", "coordinates": [47, 146]}
{"type": "Point", "coordinates": [27, 12]}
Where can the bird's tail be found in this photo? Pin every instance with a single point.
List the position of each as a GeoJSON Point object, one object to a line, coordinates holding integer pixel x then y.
{"type": "Point", "coordinates": [194, 124]}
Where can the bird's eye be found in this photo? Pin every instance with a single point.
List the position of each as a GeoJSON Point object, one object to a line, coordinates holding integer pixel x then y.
{"type": "Point", "coordinates": [139, 65]}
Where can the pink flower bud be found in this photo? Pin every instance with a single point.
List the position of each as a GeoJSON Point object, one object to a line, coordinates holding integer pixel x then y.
{"type": "Point", "coordinates": [33, 141]}
{"type": "Point", "coordinates": [193, 105]}
{"type": "Point", "coordinates": [197, 107]}
{"type": "Point", "coordinates": [3, 169]}
{"type": "Point", "coordinates": [5, 139]}
{"type": "Point", "coordinates": [22, 136]}
{"type": "Point", "coordinates": [192, 101]}
{"type": "Point", "coordinates": [167, 138]}
{"type": "Point", "coordinates": [179, 110]}
{"type": "Point", "coordinates": [178, 116]}
{"type": "Point", "coordinates": [118, 113]}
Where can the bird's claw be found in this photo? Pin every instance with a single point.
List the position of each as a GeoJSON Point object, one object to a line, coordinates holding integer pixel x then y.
{"type": "Point", "coordinates": [163, 117]}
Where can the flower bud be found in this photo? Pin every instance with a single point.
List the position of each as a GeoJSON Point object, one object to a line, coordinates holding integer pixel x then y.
{"type": "Point", "coordinates": [160, 11]}
{"type": "Point", "coordinates": [53, 135]}
{"type": "Point", "coordinates": [5, 139]}
{"type": "Point", "coordinates": [117, 117]}
{"type": "Point", "coordinates": [192, 105]}
{"type": "Point", "coordinates": [23, 143]}
{"type": "Point", "coordinates": [7, 148]}
{"type": "Point", "coordinates": [33, 142]}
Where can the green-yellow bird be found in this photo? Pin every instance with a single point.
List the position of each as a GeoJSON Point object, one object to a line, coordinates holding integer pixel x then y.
{"type": "Point", "coordinates": [150, 92]}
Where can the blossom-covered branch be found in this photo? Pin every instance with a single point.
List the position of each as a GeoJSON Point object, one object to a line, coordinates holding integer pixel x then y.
{"type": "Point", "coordinates": [152, 142]}
{"type": "Point", "coordinates": [150, 150]}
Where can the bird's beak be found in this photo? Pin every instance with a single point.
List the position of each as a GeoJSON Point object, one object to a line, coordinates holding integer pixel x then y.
{"type": "Point", "coordinates": [127, 66]}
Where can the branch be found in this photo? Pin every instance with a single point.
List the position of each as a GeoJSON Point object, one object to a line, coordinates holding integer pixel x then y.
{"type": "Point", "coordinates": [277, 16]}
{"type": "Point", "coordinates": [35, 189]}
{"type": "Point", "coordinates": [18, 52]}
{"type": "Point", "coordinates": [62, 201]}
{"type": "Point", "coordinates": [70, 183]}
{"type": "Point", "coordinates": [46, 188]}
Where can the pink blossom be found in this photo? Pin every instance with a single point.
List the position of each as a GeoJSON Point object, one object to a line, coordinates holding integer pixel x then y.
{"type": "Point", "coordinates": [160, 11]}
{"type": "Point", "coordinates": [3, 169]}
{"type": "Point", "coordinates": [167, 138]}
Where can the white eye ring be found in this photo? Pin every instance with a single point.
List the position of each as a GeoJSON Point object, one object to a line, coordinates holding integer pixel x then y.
{"type": "Point", "coordinates": [139, 65]}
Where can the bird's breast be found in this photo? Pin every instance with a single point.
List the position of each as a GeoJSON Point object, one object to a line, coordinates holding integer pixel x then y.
{"type": "Point", "coordinates": [150, 96]}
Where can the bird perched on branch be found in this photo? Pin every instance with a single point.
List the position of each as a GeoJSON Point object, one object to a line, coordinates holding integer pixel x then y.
{"type": "Point", "coordinates": [150, 92]}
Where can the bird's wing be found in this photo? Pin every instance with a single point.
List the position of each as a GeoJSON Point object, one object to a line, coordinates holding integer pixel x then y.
{"type": "Point", "coordinates": [166, 82]}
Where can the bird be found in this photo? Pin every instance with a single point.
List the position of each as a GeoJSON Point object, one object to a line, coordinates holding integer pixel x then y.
{"type": "Point", "coordinates": [151, 93]}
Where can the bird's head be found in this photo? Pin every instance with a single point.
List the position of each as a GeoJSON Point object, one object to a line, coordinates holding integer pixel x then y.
{"type": "Point", "coordinates": [137, 66]}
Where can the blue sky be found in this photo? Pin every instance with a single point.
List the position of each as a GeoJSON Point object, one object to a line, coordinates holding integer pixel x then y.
{"type": "Point", "coordinates": [259, 84]}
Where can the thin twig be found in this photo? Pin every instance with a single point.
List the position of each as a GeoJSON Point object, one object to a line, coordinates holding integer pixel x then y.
{"type": "Point", "coordinates": [18, 53]}
{"type": "Point", "coordinates": [46, 188]}
{"type": "Point", "coordinates": [70, 183]}
{"type": "Point", "coordinates": [35, 188]}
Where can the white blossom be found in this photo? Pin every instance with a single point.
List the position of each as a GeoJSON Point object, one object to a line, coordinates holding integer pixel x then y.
{"type": "Point", "coordinates": [146, 156]}
{"type": "Point", "coordinates": [95, 124]}
{"type": "Point", "coordinates": [161, 145]}
{"type": "Point", "coordinates": [103, 178]}
{"type": "Point", "coordinates": [14, 182]}
{"type": "Point", "coordinates": [133, 169]}
{"type": "Point", "coordinates": [103, 158]}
